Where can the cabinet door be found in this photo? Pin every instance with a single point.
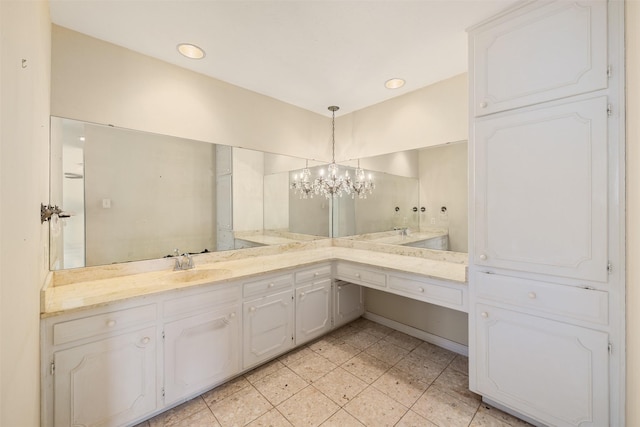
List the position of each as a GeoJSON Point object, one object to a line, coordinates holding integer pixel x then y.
{"type": "Point", "coordinates": [554, 51]}
{"type": "Point", "coordinates": [268, 327]}
{"type": "Point", "coordinates": [110, 382]}
{"type": "Point", "coordinates": [541, 190]}
{"type": "Point", "coordinates": [348, 303]}
{"type": "Point", "coordinates": [551, 371]}
{"type": "Point", "coordinates": [313, 310]}
{"type": "Point", "coordinates": [200, 351]}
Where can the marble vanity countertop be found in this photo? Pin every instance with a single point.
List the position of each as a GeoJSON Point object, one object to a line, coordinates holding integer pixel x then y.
{"type": "Point", "coordinates": [395, 237]}
{"type": "Point", "coordinates": [95, 286]}
{"type": "Point", "coordinates": [274, 237]}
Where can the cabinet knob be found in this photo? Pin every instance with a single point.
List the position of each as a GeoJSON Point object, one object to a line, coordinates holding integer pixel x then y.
{"type": "Point", "coordinates": [316, 274]}
{"type": "Point", "coordinates": [483, 257]}
{"type": "Point", "coordinates": [145, 340]}
{"type": "Point", "coordinates": [252, 309]}
{"type": "Point", "coordinates": [420, 289]}
{"type": "Point", "coordinates": [271, 285]}
{"type": "Point", "coordinates": [483, 104]}
{"type": "Point", "coordinates": [111, 323]}
{"type": "Point", "coordinates": [532, 295]}
{"type": "Point", "coordinates": [358, 275]}
{"type": "Point", "coordinates": [301, 294]}
{"type": "Point", "coordinates": [339, 288]}
{"type": "Point", "coordinates": [484, 314]}
{"type": "Point", "coordinates": [232, 315]}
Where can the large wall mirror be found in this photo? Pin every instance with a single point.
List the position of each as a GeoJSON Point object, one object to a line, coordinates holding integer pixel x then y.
{"type": "Point", "coordinates": [134, 195]}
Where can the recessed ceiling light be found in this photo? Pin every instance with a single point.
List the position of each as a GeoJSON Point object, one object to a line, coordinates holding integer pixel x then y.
{"type": "Point", "coordinates": [190, 51]}
{"type": "Point", "coordinates": [394, 83]}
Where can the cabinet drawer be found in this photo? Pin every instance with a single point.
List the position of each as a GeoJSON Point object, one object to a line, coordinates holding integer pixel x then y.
{"type": "Point", "coordinates": [438, 294]}
{"type": "Point", "coordinates": [554, 300]}
{"type": "Point", "coordinates": [191, 304]}
{"type": "Point", "coordinates": [266, 285]}
{"type": "Point", "coordinates": [361, 276]}
{"type": "Point", "coordinates": [313, 273]}
{"type": "Point", "coordinates": [102, 323]}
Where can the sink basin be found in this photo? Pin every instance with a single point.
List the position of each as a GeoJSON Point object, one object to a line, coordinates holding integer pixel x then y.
{"type": "Point", "coordinates": [206, 274]}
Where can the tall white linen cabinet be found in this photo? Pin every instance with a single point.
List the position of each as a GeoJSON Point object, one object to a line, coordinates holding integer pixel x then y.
{"type": "Point", "coordinates": [546, 261]}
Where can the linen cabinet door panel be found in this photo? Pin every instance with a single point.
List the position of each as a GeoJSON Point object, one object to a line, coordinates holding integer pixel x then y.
{"type": "Point", "coordinates": [110, 382]}
{"type": "Point", "coordinates": [541, 190]}
{"type": "Point", "coordinates": [552, 52]}
{"type": "Point", "coordinates": [552, 371]}
{"type": "Point", "coordinates": [200, 351]}
{"type": "Point", "coordinates": [268, 327]}
{"type": "Point", "coordinates": [313, 310]}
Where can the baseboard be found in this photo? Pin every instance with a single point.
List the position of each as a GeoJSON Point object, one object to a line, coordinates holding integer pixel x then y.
{"type": "Point", "coordinates": [419, 333]}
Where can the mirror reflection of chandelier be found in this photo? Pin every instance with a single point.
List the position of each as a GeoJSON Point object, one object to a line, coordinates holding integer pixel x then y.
{"type": "Point", "coordinates": [332, 184]}
{"type": "Point", "coordinates": [302, 183]}
{"type": "Point", "coordinates": [362, 185]}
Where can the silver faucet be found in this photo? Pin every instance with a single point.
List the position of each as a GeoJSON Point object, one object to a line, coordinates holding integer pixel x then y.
{"type": "Point", "coordinates": [403, 231]}
{"type": "Point", "coordinates": [183, 262]}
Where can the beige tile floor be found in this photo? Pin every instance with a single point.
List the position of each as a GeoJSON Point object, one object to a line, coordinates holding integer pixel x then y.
{"type": "Point", "coordinates": [363, 374]}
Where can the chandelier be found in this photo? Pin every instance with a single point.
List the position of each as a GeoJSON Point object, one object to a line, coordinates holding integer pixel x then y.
{"type": "Point", "coordinates": [362, 185]}
{"type": "Point", "coordinates": [332, 184]}
{"type": "Point", "coordinates": [302, 184]}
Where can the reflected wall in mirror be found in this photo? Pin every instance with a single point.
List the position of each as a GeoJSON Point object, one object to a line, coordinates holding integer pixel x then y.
{"type": "Point", "coordinates": [136, 195]}
{"type": "Point", "coordinates": [420, 200]}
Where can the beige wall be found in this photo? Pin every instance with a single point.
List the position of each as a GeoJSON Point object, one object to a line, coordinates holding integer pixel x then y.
{"type": "Point", "coordinates": [433, 115]}
{"type": "Point", "coordinates": [99, 82]}
{"type": "Point", "coordinates": [633, 210]}
{"type": "Point", "coordinates": [443, 182]}
{"type": "Point", "coordinates": [24, 136]}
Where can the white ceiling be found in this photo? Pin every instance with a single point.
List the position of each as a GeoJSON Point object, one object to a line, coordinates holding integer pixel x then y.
{"type": "Point", "coordinates": [304, 52]}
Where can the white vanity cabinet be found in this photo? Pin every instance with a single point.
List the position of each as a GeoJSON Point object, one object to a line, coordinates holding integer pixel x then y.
{"type": "Point", "coordinates": [545, 304]}
{"type": "Point", "coordinates": [122, 362]}
{"type": "Point", "coordinates": [268, 318]}
{"type": "Point", "coordinates": [202, 341]}
{"type": "Point", "coordinates": [110, 353]}
{"type": "Point", "coordinates": [313, 302]}
{"type": "Point", "coordinates": [348, 302]}
{"type": "Point", "coordinates": [538, 53]}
